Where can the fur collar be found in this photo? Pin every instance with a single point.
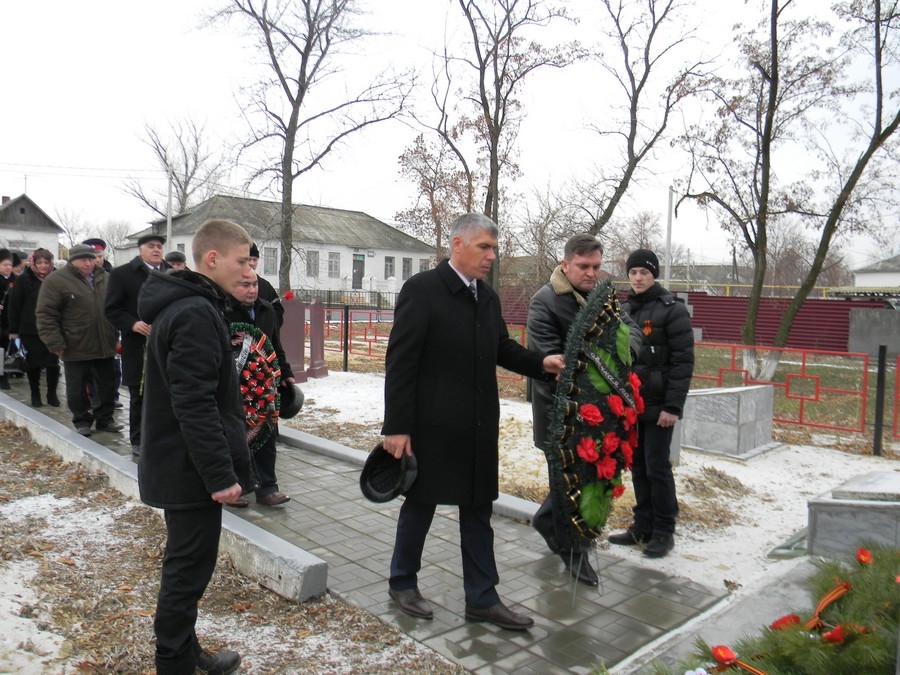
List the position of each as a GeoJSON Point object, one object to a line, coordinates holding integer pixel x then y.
{"type": "Point", "coordinates": [561, 286]}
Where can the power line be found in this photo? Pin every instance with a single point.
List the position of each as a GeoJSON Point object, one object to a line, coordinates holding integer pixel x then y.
{"type": "Point", "coordinates": [55, 170]}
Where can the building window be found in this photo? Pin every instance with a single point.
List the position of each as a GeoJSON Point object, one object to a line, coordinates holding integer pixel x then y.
{"type": "Point", "coordinates": [180, 247]}
{"type": "Point", "coordinates": [312, 263]}
{"type": "Point", "coordinates": [407, 268]}
{"type": "Point", "coordinates": [334, 265]}
{"type": "Point", "coordinates": [424, 264]}
{"type": "Point", "coordinates": [389, 266]}
{"type": "Point", "coordinates": [270, 262]}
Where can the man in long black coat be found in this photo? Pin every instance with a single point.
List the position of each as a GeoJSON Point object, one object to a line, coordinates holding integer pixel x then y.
{"type": "Point", "coordinates": [441, 403]}
{"type": "Point", "coordinates": [125, 282]}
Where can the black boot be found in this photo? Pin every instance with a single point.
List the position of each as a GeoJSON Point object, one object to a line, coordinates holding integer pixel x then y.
{"type": "Point", "coordinates": [34, 383]}
{"type": "Point", "coordinates": [52, 384]}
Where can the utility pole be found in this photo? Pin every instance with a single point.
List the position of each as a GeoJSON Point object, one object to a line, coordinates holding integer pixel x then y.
{"type": "Point", "coordinates": [669, 239]}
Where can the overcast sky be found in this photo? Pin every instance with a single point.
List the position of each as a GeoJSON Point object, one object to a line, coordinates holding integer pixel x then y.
{"type": "Point", "coordinates": [81, 79]}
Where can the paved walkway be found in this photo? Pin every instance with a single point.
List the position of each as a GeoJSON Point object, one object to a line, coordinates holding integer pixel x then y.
{"type": "Point", "coordinates": [576, 628]}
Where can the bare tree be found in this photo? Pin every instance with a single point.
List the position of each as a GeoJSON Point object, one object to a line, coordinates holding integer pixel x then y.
{"type": "Point", "coordinates": [302, 41]}
{"type": "Point", "coordinates": [796, 89]}
{"type": "Point", "coordinates": [651, 80]}
{"type": "Point", "coordinates": [642, 230]}
{"type": "Point", "coordinates": [74, 229]}
{"type": "Point", "coordinates": [115, 233]}
{"type": "Point", "coordinates": [443, 192]}
{"type": "Point", "coordinates": [500, 57]}
{"type": "Point", "coordinates": [196, 172]}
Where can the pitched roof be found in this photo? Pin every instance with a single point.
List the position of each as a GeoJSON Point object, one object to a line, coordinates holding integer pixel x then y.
{"type": "Point", "coordinates": [311, 224]}
{"type": "Point", "coordinates": [887, 265]}
{"type": "Point", "coordinates": [15, 200]}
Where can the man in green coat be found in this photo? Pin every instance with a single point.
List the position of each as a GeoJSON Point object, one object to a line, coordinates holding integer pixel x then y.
{"type": "Point", "coordinates": [72, 323]}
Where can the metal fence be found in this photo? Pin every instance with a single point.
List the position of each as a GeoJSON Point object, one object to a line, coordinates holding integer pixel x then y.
{"type": "Point", "coordinates": [828, 390]}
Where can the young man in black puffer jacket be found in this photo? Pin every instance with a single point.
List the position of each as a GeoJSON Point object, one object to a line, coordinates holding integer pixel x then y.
{"type": "Point", "coordinates": [665, 367]}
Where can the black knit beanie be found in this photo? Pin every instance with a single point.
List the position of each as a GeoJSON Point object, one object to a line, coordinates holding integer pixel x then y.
{"type": "Point", "coordinates": [643, 258]}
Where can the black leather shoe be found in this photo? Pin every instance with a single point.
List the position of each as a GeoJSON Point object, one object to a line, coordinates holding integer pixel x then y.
{"type": "Point", "coordinates": [220, 663]}
{"type": "Point", "coordinates": [580, 568]}
{"type": "Point", "coordinates": [411, 602]}
{"type": "Point", "coordinates": [659, 545]}
{"type": "Point", "coordinates": [629, 537]}
{"type": "Point", "coordinates": [499, 615]}
{"type": "Point", "coordinates": [52, 399]}
{"type": "Point", "coordinates": [83, 429]}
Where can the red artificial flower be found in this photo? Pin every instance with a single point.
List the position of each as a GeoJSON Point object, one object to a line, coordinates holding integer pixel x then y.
{"type": "Point", "coordinates": [590, 414]}
{"type": "Point", "coordinates": [786, 621]}
{"type": "Point", "coordinates": [289, 295]}
{"type": "Point", "coordinates": [632, 437]}
{"type": "Point", "coordinates": [723, 654]}
{"type": "Point", "coordinates": [616, 406]}
{"type": "Point", "coordinates": [610, 443]}
{"type": "Point", "coordinates": [606, 468]}
{"type": "Point", "coordinates": [618, 491]}
{"type": "Point", "coordinates": [635, 382]}
{"type": "Point", "coordinates": [639, 404]}
{"type": "Point", "coordinates": [630, 418]}
{"type": "Point", "coordinates": [587, 449]}
{"type": "Point", "coordinates": [836, 634]}
{"type": "Point", "coordinates": [863, 556]}
{"type": "Point", "coordinates": [627, 453]}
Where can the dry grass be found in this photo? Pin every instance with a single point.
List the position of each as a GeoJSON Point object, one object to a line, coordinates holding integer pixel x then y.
{"type": "Point", "coordinates": [98, 589]}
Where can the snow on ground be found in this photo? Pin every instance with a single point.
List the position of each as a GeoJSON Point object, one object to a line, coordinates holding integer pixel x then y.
{"type": "Point", "coordinates": [779, 482]}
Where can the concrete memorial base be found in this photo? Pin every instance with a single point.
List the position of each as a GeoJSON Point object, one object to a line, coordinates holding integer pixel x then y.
{"type": "Point", "coordinates": [866, 507]}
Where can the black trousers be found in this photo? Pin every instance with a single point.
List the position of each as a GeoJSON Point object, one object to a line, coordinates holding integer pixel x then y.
{"type": "Point", "coordinates": [654, 484]}
{"type": "Point", "coordinates": [546, 522]}
{"type": "Point", "coordinates": [480, 576]}
{"type": "Point", "coordinates": [264, 465]}
{"type": "Point", "coordinates": [79, 374]}
{"type": "Point", "coordinates": [136, 401]}
{"type": "Point", "coordinates": [190, 559]}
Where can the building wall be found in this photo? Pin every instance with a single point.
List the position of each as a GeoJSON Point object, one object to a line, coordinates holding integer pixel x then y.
{"type": "Point", "coordinates": [876, 279]}
{"type": "Point", "coordinates": [27, 239]}
{"type": "Point", "coordinates": [340, 277]}
{"type": "Point", "coordinates": [870, 328]}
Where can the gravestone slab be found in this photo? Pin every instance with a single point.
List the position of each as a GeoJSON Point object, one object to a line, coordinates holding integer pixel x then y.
{"type": "Point", "coordinates": [878, 486]}
{"type": "Point", "coordinates": [865, 508]}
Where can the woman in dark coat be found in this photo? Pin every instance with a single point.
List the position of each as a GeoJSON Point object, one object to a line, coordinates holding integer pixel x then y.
{"type": "Point", "coordinates": [22, 324]}
{"type": "Point", "coordinates": [7, 279]}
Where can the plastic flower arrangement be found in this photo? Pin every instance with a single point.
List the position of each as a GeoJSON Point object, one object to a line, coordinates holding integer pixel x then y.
{"type": "Point", "coordinates": [259, 375]}
{"type": "Point", "coordinates": [593, 427]}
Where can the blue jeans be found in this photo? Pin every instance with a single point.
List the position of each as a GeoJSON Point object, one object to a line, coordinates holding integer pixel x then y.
{"type": "Point", "coordinates": [654, 484]}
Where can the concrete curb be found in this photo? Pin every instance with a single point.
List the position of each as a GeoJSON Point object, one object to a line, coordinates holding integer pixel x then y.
{"type": "Point", "coordinates": [274, 563]}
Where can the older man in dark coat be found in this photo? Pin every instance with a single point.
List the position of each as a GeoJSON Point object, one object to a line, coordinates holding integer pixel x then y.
{"type": "Point", "coordinates": [441, 403]}
{"type": "Point", "coordinates": [125, 282]}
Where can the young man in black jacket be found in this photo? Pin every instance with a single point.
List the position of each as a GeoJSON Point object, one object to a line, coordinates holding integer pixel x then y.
{"type": "Point", "coordinates": [194, 454]}
{"type": "Point", "coordinates": [665, 366]}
